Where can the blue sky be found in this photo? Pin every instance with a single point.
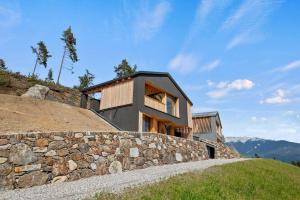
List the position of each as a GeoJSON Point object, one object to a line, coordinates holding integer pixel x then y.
{"type": "Point", "coordinates": [241, 58]}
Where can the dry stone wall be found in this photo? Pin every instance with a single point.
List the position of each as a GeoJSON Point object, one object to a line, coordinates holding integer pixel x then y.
{"type": "Point", "coordinates": [32, 159]}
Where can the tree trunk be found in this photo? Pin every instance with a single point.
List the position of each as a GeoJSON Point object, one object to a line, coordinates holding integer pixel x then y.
{"type": "Point", "coordinates": [61, 64]}
{"type": "Point", "coordinates": [36, 61]}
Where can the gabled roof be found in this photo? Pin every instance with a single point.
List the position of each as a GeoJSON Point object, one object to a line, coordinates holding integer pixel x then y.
{"type": "Point", "coordinates": [139, 73]}
{"type": "Point", "coordinates": [208, 114]}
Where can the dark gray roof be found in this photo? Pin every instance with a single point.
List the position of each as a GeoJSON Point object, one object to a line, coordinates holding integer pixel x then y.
{"type": "Point", "coordinates": [206, 114]}
{"type": "Point", "coordinates": [139, 73]}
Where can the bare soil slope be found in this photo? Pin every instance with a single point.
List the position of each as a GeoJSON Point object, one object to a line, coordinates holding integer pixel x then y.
{"type": "Point", "coordinates": [21, 114]}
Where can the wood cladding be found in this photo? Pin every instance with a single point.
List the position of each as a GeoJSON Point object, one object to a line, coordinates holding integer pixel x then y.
{"type": "Point", "coordinates": [117, 95]}
{"type": "Point", "coordinates": [189, 115]}
{"type": "Point", "coordinates": [155, 104]}
{"type": "Point", "coordinates": [202, 125]}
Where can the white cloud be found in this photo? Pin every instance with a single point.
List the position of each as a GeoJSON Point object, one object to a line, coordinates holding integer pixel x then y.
{"type": "Point", "coordinates": [293, 65]}
{"type": "Point", "coordinates": [225, 87]}
{"type": "Point", "coordinates": [241, 84]}
{"type": "Point", "coordinates": [183, 63]}
{"type": "Point", "coordinates": [210, 83]}
{"type": "Point", "coordinates": [149, 22]}
{"type": "Point", "coordinates": [204, 8]}
{"type": "Point", "coordinates": [279, 97]}
{"type": "Point", "coordinates": [212, 65]}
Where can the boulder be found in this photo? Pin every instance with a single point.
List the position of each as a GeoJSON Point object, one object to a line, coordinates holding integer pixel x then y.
{"type": "Point", "coordinates": [37, 92]}
{"type": "Point", "coordinates": [72, 165]}
{"type": "Point", "coordinates": [115, 167]}
{"type": "Point", "coordinates": [59, 179]}
{"type": "Point", "coordinates": [134, 152]}
{"type": "Point", "coordinates": [32, 179]}
{"type": "Point", "coordinates": [21, 154]}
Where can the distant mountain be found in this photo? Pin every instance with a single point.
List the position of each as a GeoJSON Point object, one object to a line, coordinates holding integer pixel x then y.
{"type": "Point", "coordinates": [280, 150]}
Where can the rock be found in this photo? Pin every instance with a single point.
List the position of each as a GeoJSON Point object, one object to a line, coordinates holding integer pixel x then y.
{"type": "Point", "coordinates": [72, 165]}
{"type": "Point", "coordinates": [152, 146]}
{"type": "Point", "coordinates": [178, 157]}
{"type": "Point", "coordinates": [21, 154]}
{"type": "Point", "coordinates": [2, 160]}
{"type": "Point", "coordinates": [75, 146]}
{"type": "Point", "coordinates": [3, 141]}
{"type": "Point", "coordinates": [5, 169]}
{"type": "Point", "coordinates": [7, 182]}
{"type": "Point", "coordinates": [88, 158]}
{"type": "Point", "coordinates": [93, 166]}
{"type": "Point", "coordinates": [86, 173]}
{"type": "Point", "coordinates": [27, 168]}
{"type": "Point", "coordinates": [76, 156]}
{"type": "Point", "coordinates": [78, 135]}
{"type": "Point", "coordinates": [58, 138]}
{"type": "Point", "coordinates": [74, 176]}
{"type": "Point", "coordinates": [117, 152]}
{"type": "Point", "coordinates": [115, 167]}
{"type": "Point", "coordinates": [134, 152]}
{"type": "Point", "coordinates": [4, 153]}
{"type": "Point", "coordinates": [138, 141]}
{"type": "Point", "coordinates": [37, 91]}
{"type": "Point", "coordinates": [4, 147]}
{"type": "Point", "coordinates": [83, 148]}
{"type": "Point", "coordinates": [55, 145]}
{"type": "Point", "coordinates": [50, 153]}
{"type": "Point", "coordinates": [96, 157]}
{"type": "Point", "coordinates": [82, 164]}
{"type": "Point", "coordinates": [59, 168]}
{"type": "Point", "coordinates": [104, 154]}
{"type": "Point", "coordinates": [59, 179]}
{"type": "Point", "coordinates": [101, 169]}
{"type": "Point", "coordinates": [155, 161]}
{"type": "Point", "coordinates": [42, 142]}
{"type": "Point", "coordinates": [125, 143]}
{"type": "Point", "coordinates": [158, 147]}
{"type": "Point", "coordinates": [32, 179]}
{"type": "Point", "coordinates": [62, 152]}
{"type": "Point", "coordinates": [39, 149]}
{"type": "Point", "coordinates": [139, 161]}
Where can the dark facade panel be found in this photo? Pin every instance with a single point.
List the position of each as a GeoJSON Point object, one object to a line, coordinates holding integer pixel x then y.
{"type": "Point", "coordinates": [166, 84]}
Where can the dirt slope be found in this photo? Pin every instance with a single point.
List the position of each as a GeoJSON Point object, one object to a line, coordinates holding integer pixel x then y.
{"type": "Point", "coordinates": [21, 114]}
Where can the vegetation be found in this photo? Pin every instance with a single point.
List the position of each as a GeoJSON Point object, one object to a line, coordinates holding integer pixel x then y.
{"type": "Point", "coordinates": [86, 80]}
{"type": "Point", "coordinates": [42, 55]}
{"type": "Point", "coordinates": [253, 179]}
{"type": "Point", "coordinates": [296, 163]}
{"type": "Point", "coordinates": [2, 65]}
{"type": "Point", "coordinates": [124, 69]}
{"type": "Point", "coordinates": [49, 78]}
{"type": "Point", "coordinates": [69, 49]}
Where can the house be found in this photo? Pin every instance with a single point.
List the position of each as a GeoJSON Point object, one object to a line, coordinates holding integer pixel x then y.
{"type": "Point", "coordinates": [144, 102]}
{"type": "Point", "coordinates": [207, 126]}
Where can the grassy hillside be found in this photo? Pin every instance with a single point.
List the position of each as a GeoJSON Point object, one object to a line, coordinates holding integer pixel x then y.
{"type": "Point", "coordinates": [253, 179]}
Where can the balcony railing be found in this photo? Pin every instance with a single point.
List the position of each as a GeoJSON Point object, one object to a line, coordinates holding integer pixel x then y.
{"type": "Point", "coordinates": [150, 102]}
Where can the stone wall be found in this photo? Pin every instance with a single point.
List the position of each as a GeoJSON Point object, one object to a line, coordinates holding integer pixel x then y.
{"type": "Point", "coordinates": [33, 159]}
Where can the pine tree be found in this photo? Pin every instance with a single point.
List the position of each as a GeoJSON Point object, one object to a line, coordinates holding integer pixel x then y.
{"type": "Point", "coordinates": [86, 80]}
{"type": "Point", "coordinates": [42, 55]}
{"type": "Point", "coordinates": [2, 65]}
{"type": "Point", "coordinates": [124, 69]}
{"type": "Point", "coordinates": [50, 76]}
{"type": "Point", "coordinates": [69, 49]}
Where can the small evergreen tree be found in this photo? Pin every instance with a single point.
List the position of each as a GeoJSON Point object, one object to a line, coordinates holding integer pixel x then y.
{"type": "Point", "coordinates": [124, 69]}
{"type": "Point", "coordinates": [50, 76]}
{"type": "Point", "coordinates": [2, 65]}
{"type": "Point", "coordinates": [86, 80]}
{"type": "Point", "coordinates": [42, 55]}
{"type": "Point", "coordinates": [256, 156]}
{"type": "Point", "coordinates": [69, 48]}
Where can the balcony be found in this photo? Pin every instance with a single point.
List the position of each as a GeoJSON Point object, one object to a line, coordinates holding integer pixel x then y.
{"type": "Point", "coordinates": [155, 104]}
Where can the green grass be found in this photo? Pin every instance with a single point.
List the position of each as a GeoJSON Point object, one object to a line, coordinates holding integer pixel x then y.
{"type": "Point", "coordinates": [253, 179]}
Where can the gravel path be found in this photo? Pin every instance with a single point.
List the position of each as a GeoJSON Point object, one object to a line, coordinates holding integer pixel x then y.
{"type": "Point", "coordinates": [87, 187]}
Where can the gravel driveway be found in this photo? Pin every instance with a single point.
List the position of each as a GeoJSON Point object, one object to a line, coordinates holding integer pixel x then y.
{"type": "Point", "coordinates": [111, 183]}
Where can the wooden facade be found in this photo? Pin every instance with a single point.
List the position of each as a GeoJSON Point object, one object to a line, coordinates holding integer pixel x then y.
{"type": "Point", "coordinates": [117, 95]}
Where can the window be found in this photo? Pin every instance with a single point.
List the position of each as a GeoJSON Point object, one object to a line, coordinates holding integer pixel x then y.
{"type": "Point", "coordinates": [171, 105]}
{"type": "Point", "coordinates": [146, 123]}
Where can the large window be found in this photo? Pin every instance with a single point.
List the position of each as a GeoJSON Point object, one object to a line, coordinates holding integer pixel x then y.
{"type": "Point", "coordinates": [171, 105]}
{"type": "Point", "coordinates": [146, 123]}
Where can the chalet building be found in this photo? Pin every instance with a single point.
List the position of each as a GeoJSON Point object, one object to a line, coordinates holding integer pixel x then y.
{"type": "Point", "coordinates": [143, 102]}
{"type": "Point", "coordinates": [207, 126]}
